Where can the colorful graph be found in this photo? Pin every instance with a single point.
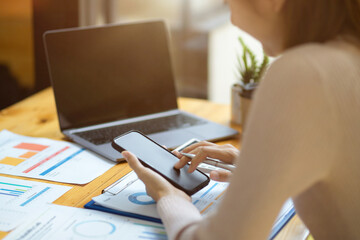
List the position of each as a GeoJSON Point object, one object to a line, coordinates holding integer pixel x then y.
{"type": "Point", "coordinates": [31, 150]}
{"type": "Point", "coordinates": [31, 146]}
{"type": "Point", "coordinates": [24, 193]}
{"type": "Point", "coordinates": [62, 161]}
{"type": "Point", "coordinates": [13, 190]}
{"type": "Point", "coordinates": [141, 198]}
{"type": "Point", "coordinates": [45, 160]}
{"type": "Point", "coordinates": [205, 193]}
{"type": "Point", "coordinates": [28, 154]}
{"type": "Point", "coordinates": [152, 232]}
{"type": "Point", "coordinates": [11, 161]}
{"type": "Point", "coordinates": [35, 196]}
{"type": "Point", "coordinates": [94, 228]}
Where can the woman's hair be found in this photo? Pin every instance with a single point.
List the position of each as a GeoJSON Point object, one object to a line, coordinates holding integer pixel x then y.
{"type": "Point", "coordinates": [319, 20]}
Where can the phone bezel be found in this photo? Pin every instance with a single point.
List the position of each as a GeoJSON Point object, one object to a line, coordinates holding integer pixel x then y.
{"type": "Point", "coordinates": [187, 191]}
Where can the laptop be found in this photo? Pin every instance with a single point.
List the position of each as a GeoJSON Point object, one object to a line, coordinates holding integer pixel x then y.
{"type": "Point", "coordinates": [115, 78]}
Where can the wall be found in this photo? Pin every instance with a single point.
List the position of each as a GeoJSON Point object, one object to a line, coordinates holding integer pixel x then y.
{"type": "Point", "coordinates": [16, 44]}
{"type": "Point", "coordinates": [224, 49]}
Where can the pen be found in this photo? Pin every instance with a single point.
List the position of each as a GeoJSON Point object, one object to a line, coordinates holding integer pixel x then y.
{"type": "Point", "coordinates": [213, 162]}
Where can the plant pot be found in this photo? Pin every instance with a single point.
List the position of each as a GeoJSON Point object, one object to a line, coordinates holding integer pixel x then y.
{"type": "Point", "coordinates": [236, 104]}
{"type": "Point", "coordinates": [245, 107]}
{"type": "Point", "coordinates": [240, 104]}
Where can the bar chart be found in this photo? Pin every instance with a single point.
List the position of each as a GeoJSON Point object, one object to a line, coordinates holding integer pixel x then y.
{"type": "Point", "coordinates": [21, 152]}
{"type": "Point", "coordinates": [48, 159]}
{"type": "Point", "coordinates": [20, 198]}
{"type": "Point", "coordinates": [16, 192]}
{"type": "Point", "coordinates": [13, 190]}
{"type": "Point", "coordinates": [151, 231]}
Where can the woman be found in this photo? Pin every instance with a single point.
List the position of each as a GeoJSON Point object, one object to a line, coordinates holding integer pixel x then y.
{"type": "Point", "coordinates": [303, 134]}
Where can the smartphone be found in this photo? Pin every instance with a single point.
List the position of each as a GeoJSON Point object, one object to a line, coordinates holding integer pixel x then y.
{"type": "Point", "coordinates": [161, 160]}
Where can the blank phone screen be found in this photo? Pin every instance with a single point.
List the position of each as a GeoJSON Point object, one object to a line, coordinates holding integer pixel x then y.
{"type": "Point", "coordinates": [162, 161]}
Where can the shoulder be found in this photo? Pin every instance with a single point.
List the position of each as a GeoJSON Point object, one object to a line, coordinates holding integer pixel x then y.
{"type": "Point", "coordinates": [332, 51]}
{"type": "Point", "coordinates": [301, 59]}
{"type": "Point", "coordinates": [293, 70]}
{"type": "Point", "coordinates": [312, 64]}
{"type": "Point", "coordinates": [293, 80]}
{"type": "Point", "coordinates": [321, 59]}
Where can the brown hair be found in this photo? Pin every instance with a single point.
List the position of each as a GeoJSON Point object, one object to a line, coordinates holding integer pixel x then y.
{"type": "Point", "coordinates": [320, 20]}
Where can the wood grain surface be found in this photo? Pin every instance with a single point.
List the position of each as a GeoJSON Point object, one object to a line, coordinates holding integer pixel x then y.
{"type": "Point", "coordinates": [36, 117]}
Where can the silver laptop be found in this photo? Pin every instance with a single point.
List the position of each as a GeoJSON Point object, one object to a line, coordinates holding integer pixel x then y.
{"type": "Point", "coordinates": [111, 79]}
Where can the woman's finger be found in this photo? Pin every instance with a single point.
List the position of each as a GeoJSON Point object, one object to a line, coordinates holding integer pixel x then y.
{"type": "Point", "coordinates": [220, 175]}
{"type": "Point", "coordinates": [177, 154]}
{"type": "Point", "coordinates": [200, 156]}
{"type": "Point", "coordinates": [182, 162]}
{"type": "Point", "coordinates": [196, 145]}
{"type": "Point", "coordinates": [222, 152]}
{"type": "Point", "coordinates": [201, 152]}
{"type": "Point", "coordinates": [134, 163]}
{"type": "Point", "coordinates": [156, 186]}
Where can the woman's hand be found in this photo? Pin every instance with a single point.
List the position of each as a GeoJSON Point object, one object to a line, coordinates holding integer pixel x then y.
{"type": "Point", "coordinates": [156, 186]}
{"type": "Point", "coordinates": [226, 153]}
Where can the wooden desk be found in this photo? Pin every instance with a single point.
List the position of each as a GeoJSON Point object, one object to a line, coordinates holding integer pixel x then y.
{"type": "Point", "coordinates": [36, 117]}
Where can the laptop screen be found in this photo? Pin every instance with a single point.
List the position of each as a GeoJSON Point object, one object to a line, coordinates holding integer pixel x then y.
{"type": "Point", "coordinates": [108, 73]}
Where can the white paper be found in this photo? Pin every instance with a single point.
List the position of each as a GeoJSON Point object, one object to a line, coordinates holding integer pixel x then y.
{"type": "Point", "coordinates": [20, 199]}
{"type": "Point", "coordinates": [133, 198]}
{"type": "Point", "coordinates": [48, 159]}
{"type": "Point", "coordinates": [129, 195]}
{"type": "Point", "coordinates": [65, 223]}
{"type": "Point", "coordinates": [285, 209]}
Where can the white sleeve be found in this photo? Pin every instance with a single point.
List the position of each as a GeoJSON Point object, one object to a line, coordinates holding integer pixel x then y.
{"type": "Point", "coordinates": [177, 214]}
{"type": "Point", "coordinates": [286, 148]}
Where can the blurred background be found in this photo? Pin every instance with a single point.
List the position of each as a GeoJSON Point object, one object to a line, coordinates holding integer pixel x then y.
{"type": "Point", "coordinates": [204, 44]}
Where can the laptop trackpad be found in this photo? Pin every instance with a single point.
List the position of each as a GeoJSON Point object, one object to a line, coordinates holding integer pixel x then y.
{"type": "Point", "coordinates": [172, 139]}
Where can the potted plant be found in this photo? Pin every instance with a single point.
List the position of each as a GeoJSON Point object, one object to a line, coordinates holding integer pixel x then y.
{"type": "Point", "coordinates": [249, 73]}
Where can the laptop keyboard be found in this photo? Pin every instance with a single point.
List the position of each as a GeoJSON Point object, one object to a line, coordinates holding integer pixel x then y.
{"type": "Point", "coordinates": [105, 135]}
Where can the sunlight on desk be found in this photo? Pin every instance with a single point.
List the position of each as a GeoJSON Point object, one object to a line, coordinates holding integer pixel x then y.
{"type": "Point", "coordinates": [36, 116]}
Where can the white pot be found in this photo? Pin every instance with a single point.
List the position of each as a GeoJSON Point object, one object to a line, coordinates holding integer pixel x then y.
{"type": "Point", "coordinates": [245, 107]}
{"type": "Point", "coordinates": [239, 106]}
{"type": "Point", "coordinates": [236, 104]}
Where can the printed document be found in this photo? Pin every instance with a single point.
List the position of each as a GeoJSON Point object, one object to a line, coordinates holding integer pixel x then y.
{"type": "Point", "coordinates": [20, 199]}
{"type": "Point", "coordinates": [48, 159]}
{"type": "Point", "coordinates": [60, 222]}
{"type": "Point", "coordinates": [131, 197]}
